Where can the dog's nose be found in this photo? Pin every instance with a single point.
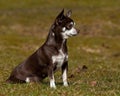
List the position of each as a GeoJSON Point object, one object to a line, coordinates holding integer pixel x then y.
{"type": "Point", "coordinates": [78, 31]}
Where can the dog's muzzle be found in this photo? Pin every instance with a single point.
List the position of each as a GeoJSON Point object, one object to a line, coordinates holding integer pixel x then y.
{"type": "Point", "coordinates": [74, 32]}
{"type": "Point", "coordinates": [70, 33]}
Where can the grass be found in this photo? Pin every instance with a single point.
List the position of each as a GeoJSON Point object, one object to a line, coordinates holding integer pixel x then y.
{"type": "Point", "coordinates": [97, 46]}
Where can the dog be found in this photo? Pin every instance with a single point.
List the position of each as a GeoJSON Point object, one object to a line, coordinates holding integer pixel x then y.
{"type": "Point", "coordinates": [52, 55]}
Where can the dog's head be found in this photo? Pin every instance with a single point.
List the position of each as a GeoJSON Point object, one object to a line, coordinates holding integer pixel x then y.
{"type": "Point", "coordinates": [64, 25]}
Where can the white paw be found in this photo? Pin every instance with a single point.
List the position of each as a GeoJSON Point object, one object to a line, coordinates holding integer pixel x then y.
{"type": "Point", "coordinates": [52, 84]}
{"type": "Point", "coordinates": [65, 84]}
{"type": "Point", "coordinates": [27, 80]}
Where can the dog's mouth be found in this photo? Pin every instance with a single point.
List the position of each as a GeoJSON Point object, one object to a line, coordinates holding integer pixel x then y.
{"type": "Point", "coordinates": [70, 35]}
{"type": "Point", "coordinates": [73, 34]}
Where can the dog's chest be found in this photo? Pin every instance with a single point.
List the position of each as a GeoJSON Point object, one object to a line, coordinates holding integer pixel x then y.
{"type": "Point", "coordinates": [59, 59]}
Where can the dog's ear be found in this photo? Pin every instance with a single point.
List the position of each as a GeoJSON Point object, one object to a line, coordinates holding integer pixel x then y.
{"type": "Point", "coordinates": [59, 17]}
{"type": "Point", "coordinates": [68, 14]}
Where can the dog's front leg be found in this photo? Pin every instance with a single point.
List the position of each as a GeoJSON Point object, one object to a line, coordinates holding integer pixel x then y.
{"type": "Point", "coordinates": [51, 77]}
{"type": "Point", "coordinates": [64, 73]}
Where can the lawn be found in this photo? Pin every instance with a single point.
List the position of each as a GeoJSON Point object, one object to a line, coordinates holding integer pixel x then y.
{"type": "Point", "coordinates": [94, 55]}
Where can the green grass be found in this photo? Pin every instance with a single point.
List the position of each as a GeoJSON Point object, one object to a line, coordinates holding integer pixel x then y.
{"type": "Point", "coordinates": [97, 46]}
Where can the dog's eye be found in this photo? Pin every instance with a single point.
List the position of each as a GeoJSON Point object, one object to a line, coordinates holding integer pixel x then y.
{"type": "Point", "coordinates": [69, 26]}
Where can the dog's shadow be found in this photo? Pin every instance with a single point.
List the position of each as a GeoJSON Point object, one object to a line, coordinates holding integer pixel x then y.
{"type": "Point", "coordinates": [47, 83]}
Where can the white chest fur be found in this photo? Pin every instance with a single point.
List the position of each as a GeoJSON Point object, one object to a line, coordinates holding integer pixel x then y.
{"type": "Point", "coordinates": [59, 59]}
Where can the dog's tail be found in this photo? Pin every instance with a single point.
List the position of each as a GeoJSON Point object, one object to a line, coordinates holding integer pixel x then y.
{"type": "Point", "coordinates": [14, 80]}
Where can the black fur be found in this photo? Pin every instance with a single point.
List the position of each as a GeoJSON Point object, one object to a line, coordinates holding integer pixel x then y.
{"type": "Point", "coordinates": [39, 65]}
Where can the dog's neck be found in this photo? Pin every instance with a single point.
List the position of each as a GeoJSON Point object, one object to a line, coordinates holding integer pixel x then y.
{"type": "Point", "coordinates": [55, 41]}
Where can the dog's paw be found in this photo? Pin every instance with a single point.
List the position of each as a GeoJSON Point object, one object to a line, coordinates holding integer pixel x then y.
{"type": "Point", "coordinates": [53, 87]}
{"type": "Point", "coordinates": [65, 84]}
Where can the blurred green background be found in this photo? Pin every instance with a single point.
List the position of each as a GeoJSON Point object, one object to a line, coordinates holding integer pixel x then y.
{"type": "Point", "coordinates": [24, 26]}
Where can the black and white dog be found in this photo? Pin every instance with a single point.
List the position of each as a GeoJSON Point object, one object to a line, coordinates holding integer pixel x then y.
{"type": "Point", "coordinates": [53, 54]}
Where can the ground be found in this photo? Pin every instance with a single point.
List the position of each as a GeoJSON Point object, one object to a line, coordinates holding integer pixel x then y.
{"type": "Point", "coordinates": [94, 55]}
